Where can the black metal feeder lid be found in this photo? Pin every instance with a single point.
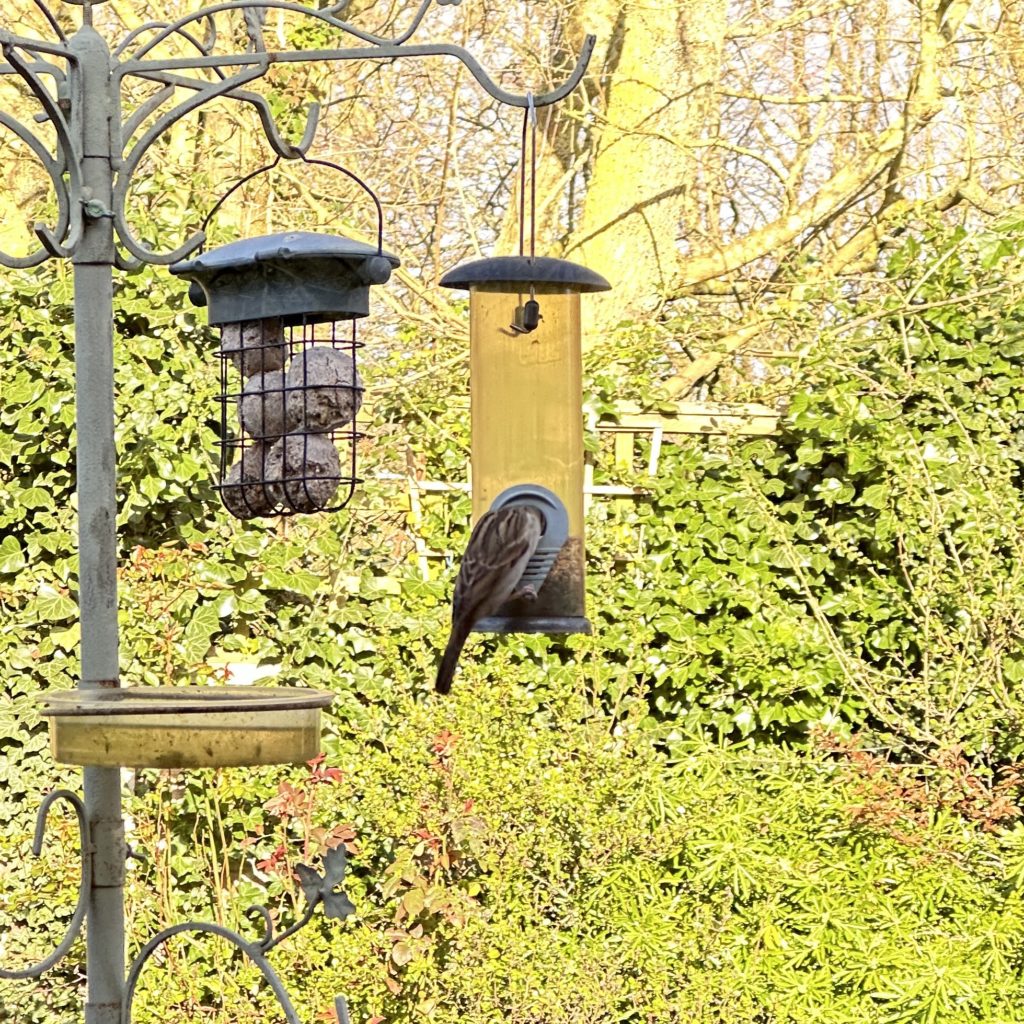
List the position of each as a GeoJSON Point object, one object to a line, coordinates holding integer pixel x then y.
{"type": "Point", "coordinates": [536, 270]}
{"type": "Point", "coordinates": [296, 275]}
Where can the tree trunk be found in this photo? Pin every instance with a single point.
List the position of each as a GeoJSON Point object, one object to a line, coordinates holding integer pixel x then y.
{"type": "Point", "coordinates": [661, 63]}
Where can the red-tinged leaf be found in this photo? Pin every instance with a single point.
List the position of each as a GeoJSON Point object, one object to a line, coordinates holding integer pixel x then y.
{"type": "Point", "coordinates": [444, 743]}
{"type": "Point", "coordinates": [340, 835]}
{"type": "Point", "coordinates": [287, 802]}
{"type": "Point", "coordinates": [272, 862]}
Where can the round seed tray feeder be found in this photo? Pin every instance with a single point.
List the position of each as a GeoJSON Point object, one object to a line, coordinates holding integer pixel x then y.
{"type": "Point", "coordinates": [185, 726]}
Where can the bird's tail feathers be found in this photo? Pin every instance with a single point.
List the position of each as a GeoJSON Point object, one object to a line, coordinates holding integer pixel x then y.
{"type": "Point", "coordinates": [446, 670]}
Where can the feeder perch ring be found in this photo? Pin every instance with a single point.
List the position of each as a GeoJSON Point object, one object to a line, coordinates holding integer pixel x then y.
{"type": "Point", "coordinates": [556, 528]}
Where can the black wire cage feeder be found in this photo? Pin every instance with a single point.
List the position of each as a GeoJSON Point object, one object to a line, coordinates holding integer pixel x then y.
{"type": "Point", "coordinates": [286, 305]}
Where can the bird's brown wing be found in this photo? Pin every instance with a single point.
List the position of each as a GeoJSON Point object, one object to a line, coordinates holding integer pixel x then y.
{"type": "Point", "coordinates": [499, 540]}
{"type": "Point", "coordinates": [497, 554]}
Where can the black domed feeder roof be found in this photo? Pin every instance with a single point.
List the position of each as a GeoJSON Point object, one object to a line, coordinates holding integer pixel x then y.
{"type": "Point", "coordinates": [536, 270]}
{"type": "Point", "coordinates": [295, 275]}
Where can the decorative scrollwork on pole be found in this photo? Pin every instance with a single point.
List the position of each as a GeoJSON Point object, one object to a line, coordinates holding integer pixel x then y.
{"type": "Point", "coordinates": [54, 169]}
{"type": "Point", "coordinates": [318, 889]}
{"type": "Point", "coordinates": [252, 950]}
{"type": "Point", "coordinates": [67, 160]}
{"type": "Point", "coordinates": [170, 28]}
{"type": "Point", "coordinates": [134, 57]}
{"type": "Point", "coordinates": [78, 917]}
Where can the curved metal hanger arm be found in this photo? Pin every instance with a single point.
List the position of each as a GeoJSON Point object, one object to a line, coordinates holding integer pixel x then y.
{"type": "Point", "coordinates": [125, 261]}
{"type": "Point", "coordinates": [84, 885]}
{"type": "Point", "coordinates": [130, 125]}
{"type": "Point", "coordinates": [206, 46]}
{"type": "Point", "coordinates": [251, 950]}
{"type": "Point", "coordinates": [41, 67]}
{"type": "Point", "coordinates": [51, 20]}
{"type": "Point", "coordinates": [131, 161]}
{"type": "Point", "coordinates": [65, 143]}
{"type": "Point", "coordinates": [321, 15]}
{"type": "Point", "coordinates": [278, 143]}
{"type": "Point", "coordinates": [389, 52]}
{"type": "Point", "coordinates": [526, 99]}
{"type": "Point", "coordinates": [54, 169]}
{"type": "Point", "coordinates": [36, 45]}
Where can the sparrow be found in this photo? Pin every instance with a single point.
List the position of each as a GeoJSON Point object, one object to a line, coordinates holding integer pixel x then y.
{"type": "Point", "coordinates": [499, 548]}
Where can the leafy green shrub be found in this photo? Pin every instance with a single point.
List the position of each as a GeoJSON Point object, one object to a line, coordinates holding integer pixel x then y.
{"type": "Point", "coordinates": [548, 844]}
{"type": "Point", "coordinates": [517, 864]}
{"type": "Point", "coordinates": [862, 569]}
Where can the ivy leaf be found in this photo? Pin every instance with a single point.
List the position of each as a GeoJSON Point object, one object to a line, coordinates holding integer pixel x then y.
{"type": "Point", "coordinates": [35, 497]}
{"type": "Point", "coordinates": [12, 558]}
{"type": "Point", "coordinates": [300, 581]}
{"type": "Point", "coordinates": [195, 640]}
{"type": "Point", "coordinates": [52, 606]}
{"type": "Point", "coordinates": [876, 495]}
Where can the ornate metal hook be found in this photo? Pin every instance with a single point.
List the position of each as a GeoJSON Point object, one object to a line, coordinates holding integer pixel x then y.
{"type": "Point", "coordinates": [202, 95]}
{"type": "Point", "coordinates": [53, 169]}
{"type": "Point", "coordinates": [78, 917]}
{"type": "Point", "coordinates": [318, 889]}
{"type": "Point", "coordinates": [61, 240]}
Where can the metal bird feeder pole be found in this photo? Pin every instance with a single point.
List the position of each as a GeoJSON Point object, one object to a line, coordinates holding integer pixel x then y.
{"type": "Point", "coordinates": [77, 82]}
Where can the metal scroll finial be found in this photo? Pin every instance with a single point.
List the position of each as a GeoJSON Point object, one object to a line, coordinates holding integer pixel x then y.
{"type": "Point", "coordinates": [318, 889]}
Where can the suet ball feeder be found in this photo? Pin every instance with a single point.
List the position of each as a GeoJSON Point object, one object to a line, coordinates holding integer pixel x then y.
{"type": "Point", "coordinates": [287, 306]}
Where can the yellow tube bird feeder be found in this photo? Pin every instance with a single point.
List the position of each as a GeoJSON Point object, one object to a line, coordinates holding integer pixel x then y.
{"type": "Point", "coordinates": [526, 395]}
